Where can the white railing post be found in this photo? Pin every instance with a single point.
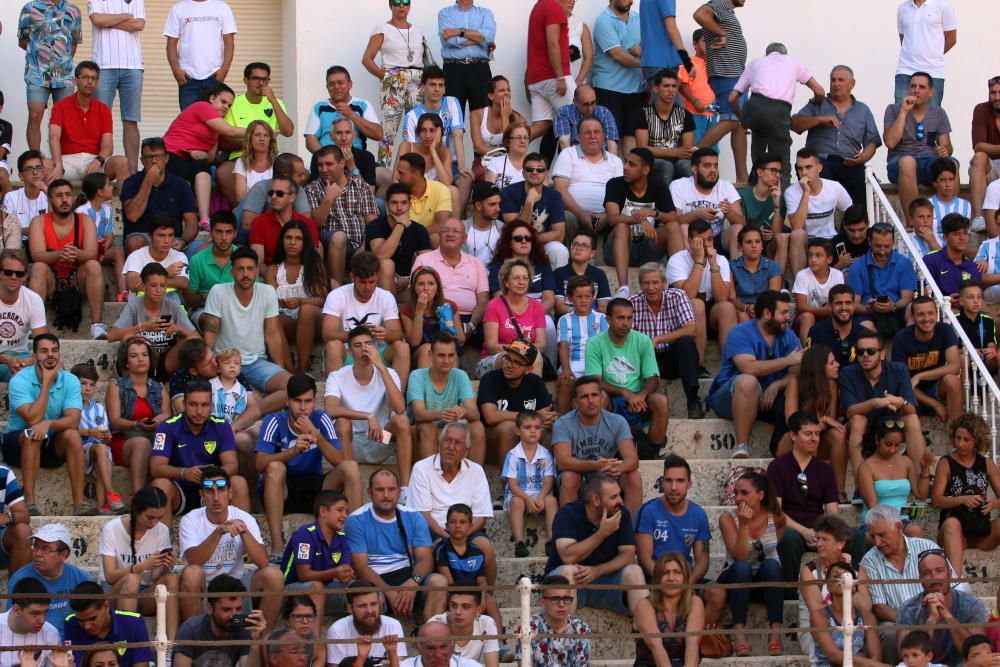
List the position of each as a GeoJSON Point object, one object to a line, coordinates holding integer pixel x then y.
{"type": "Point", "coordinates": [161, 625]}
{"type": "Point", "coordinates": [848, 611]}
{"type": "Point", "coordinates": [525, 634]}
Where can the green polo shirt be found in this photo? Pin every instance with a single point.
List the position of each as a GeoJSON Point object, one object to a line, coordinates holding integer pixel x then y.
{"type": "Point", "coordinates": [204, 272]}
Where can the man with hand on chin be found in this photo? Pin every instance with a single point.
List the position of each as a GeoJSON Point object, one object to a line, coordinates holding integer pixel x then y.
{"type": "Point", "coordinates": [395, 240]}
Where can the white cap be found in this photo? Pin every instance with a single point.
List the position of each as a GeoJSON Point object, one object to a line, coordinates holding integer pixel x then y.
{"type": "Point", "coordinates": [53, 532]}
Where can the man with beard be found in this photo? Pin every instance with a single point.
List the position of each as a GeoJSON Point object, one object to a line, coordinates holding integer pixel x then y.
{"type": "Point", "coordinates": [756, 359]}
{"type": "Point", "coordinates": [840, 331]}
{"type": "Point", "coordinates": [216, 624]}
{"type": "Point", "coordinates": [884, 280]}
{"type": "Point", "coordinates": [208, 269]}
{"type": "Point", "coordinates": [673, 523]}
{"type": "Point", "coordinates": [930, 351]}
{"type": "Point", "coordinates": [875, 386]}
{"type": "Point", "coordinates": [430, 201]}
{"type": "Point", "coordinates": [44, 422]}
{"type": "Point", "coordinates": [986, 161]}
{"type": "Point", "coordinates": [391, 546]}
{"type": "Point", "coordinates": [940, 604]}
{"type": "Point", "coordinates": [22, 312]}
{"type": "Point", "coordinates": [594, 544]}
{"type": "Point", "coordinates": [704, 196]}
{"type": "Point", "coordinates": [365, 620]}
{"type": "Point", "coordinates": [63, 248]}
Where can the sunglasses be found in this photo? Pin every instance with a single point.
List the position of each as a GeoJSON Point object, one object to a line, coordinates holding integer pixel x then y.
{"type": "Point", "coordinates": [893, 424]}
{"type": "Point", "coordinates": [399, 3]}
{"type": "Point", "coordinates": [559, 599]}
{"type": "Point", "coordinates": [862, 351]}
{"type": "Point", "coordinates": [930, 552]}
{"type": "Point", "coordinates": [521, 239]}
{"type": "Point", "coordinates": [920, 132]}
{"type": "Point", "coordinates": [803, 483]}
{"type": "Point", "coordinates": [209, 484]}
{"type": "Point", "coordinates": [534, 170]}
{"type": "Point", "coordinates": [16, 274]}
{"type": "Point", "coordinates": [277, 193]}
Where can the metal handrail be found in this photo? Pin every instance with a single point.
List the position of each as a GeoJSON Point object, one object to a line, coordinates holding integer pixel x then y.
{"type": "Point", "coordinates": [982, 395]}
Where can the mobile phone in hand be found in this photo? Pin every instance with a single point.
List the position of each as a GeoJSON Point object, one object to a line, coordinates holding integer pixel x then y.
{"type": "Point", "coordinates": [166, 318]}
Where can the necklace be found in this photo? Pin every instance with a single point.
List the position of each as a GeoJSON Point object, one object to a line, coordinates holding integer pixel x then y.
{"type": "Point", "coordinates": [489, 237]}
{"type": "Point", "coordinates": [409, 51]}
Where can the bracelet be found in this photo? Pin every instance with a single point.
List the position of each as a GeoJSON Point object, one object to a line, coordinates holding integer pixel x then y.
{"type": "Point", "coordinates": [701, 264]}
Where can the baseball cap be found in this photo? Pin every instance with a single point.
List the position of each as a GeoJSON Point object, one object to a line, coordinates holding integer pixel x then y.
{"type": "Point", "coordinates": [53, 532]}
{"type": "Point", "coordinates": [483, 190]}
{"type": "Point", "coordinates": [524, 349]}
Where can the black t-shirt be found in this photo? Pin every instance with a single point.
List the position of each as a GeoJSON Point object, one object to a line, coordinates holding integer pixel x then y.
{"type": "Point", "coordinates": [571, 521]}
{"type": "Point", "coordinates": [920, 355]}
{"type": "Point", "coordinates": [6, 137]}
{"type": "Point", "coordinates": [415, 238]}
{"type": "Point", "coordinates": [981, 331]}
{"type": "Point", "coordinates": [531, 394]}
{"type": "Point", "coordinates": [199, 628]}
{"type": "Point", "coordinates": [602, 289]}
{"type": "Point", "coordinates": [843, 348]}
{"type": "Point", "coordinates": [365, 163]}
{"type": "Point", "coordinates": [656, 197]}
{"type": "Point", "coordinates": [855, 251]}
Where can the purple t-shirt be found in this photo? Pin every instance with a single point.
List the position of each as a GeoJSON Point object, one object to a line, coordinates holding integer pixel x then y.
{"type": "Point", "coordinates": [175, 441]}
{"type": "Point", "coordinates": [307, 546]}
{"type": "Point", "coordinates": [821, 489]}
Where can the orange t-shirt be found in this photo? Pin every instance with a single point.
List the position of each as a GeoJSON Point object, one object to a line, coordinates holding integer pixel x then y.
{"type": "Point", "coordinates": [699, 87]}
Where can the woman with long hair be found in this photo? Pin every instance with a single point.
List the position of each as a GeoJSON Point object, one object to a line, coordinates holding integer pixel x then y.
{"type": "Point", "coordinates": [136, 554]}
{"type": "Point", "coordinates": [815, 389]}
{"type": "Point", "coordinates": [887, 477]}
{"type": "Point", "coordinates": [425, 313]}
{"type": "Point", "coordinates": [828, 648]}
{"type": "Point", "coordinates": [400, 44]}
{"type": "Point", "coordinates": [260, 148]}
{"type": "Point", "coordinates": [487, 125]}
{"type": "Point", "coordinates": [136, 404]}
{"type": "Point", "coordinates": [677, 610]}
{"type": "Point", "coordinates": [506, 169]}
{"type": "Point", "coordinates": [962, 482]}
{"type": "Point", "coordinates": [299, 614]}
{"type": "Point", "coordinates": [751, 532]}
{"type": "Point", "coordinates": [511, 315]}
{"type": "Point", "coordinates": [298, 275]}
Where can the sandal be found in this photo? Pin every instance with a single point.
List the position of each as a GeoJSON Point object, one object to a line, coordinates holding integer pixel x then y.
{"type": "Point", "coordinates": [743, 650]}
{"type": "Point", "coordinates": [775, 648]}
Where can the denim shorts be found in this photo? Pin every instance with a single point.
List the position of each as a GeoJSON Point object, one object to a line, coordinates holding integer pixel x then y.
{"type": "Point", "coordinates": [721, 400]}
{"type": "Point", "coordinates": [722, 86]}
{"type": "Point", "coordinates": [41, 93]}
{"type": "Point", "coordinates": [606, 598]}
{"type": "Point", "coordinates": [260, 372]}
{"type": "Point", "coordinates": [923, 168]}
{"type": "Point", "coordinates": [128, 84]}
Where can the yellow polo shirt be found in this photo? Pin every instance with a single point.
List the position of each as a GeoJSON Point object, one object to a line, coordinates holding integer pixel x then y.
{"type": "Point", "coordinates": [437, 197]}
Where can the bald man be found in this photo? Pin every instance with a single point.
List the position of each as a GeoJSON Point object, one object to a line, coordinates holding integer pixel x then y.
{"type": "Point", "coordinates": [435, 650]}
{"type": "Point", "coordinates": [584, 104]}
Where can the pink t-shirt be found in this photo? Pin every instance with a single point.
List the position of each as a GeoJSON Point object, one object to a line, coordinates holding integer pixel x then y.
{"type": "Point", "coordinates": [530, 320]}
{"type": "Point", "coordinates": [463, 283]}
{"type": "Point", "coordinates": [189, 132]}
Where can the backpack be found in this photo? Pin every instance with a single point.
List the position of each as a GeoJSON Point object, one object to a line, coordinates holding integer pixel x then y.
{"type": "Point", "coordinates": [67, 301]}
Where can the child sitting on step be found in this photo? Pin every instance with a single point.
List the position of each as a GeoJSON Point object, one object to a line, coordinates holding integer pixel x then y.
{"type": "Point", "coordinates": [96, 435]}
{"type": "Point", "coordinates": [461, 562]}
{"type": "Point", "coordinates": [574, 329]}
{"type": "Point", "coordinates": [95, 193]}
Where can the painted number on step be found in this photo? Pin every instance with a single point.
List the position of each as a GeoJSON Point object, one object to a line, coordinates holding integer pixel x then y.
{"type": "Point", "coordinates": [722, 441]}
{"type": "Point", "coordinates": [972, 572]}
{"type": "Point", "coordinates": [79, 547]}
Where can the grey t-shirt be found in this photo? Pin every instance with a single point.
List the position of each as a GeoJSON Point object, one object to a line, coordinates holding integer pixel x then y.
{"type": "Point", "coordinates": [199, 628]}
{"type": "Point", "coordinates": [257, 200]}
{"type": "Point", "coordinates": [135, 313]}
{"type": "Point", "coordinates": [242, 328]}
{"type": "Point", "coordinates": [590, 443]}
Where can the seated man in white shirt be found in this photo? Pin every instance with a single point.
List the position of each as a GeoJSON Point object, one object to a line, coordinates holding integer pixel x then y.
{"type": "Point", "coordinates": [811, 204]}
{"type": "Point", "coordinates": [435, 649]}
{"type": "Point", "coordinates": [581, 174]}
{"type": "Point", "coordinates": [160, 250]}
{"type": "Point", "coordinates": [463, 618]}
{"type": "Point", "coordinates": [705, 196]}
{"type": "Point", "coordinates": [365, 619]}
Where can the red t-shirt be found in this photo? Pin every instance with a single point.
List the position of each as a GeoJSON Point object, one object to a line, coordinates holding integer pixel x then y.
{"type": "Point", "coordinates": [546, 13]}
{"type": "Point", "coordinates": [266, 229]}
{"type": "Point", "coordinates": [189, 132]}
{"type": "Point", "coordinates": [81, 131]}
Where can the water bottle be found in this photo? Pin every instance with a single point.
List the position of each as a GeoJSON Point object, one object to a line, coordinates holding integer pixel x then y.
{"type": "Point", "coordinates": [446, 317]}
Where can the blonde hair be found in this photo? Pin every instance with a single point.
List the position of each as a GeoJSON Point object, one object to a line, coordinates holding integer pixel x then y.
{"type": "Point", "coordinates": [227, 354]}
{"type": "Point", "coordinates": [657, 595]}
{"type": "Point", "coordinates": [248, 151]}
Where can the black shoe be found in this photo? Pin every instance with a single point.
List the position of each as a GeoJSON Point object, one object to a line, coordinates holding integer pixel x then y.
{"type": "Point", "coordinates": [520, 550]}
{"type": "Point", "coordinates": [703, 372]}
{"type": "Point", "coordinates": [696, 410]}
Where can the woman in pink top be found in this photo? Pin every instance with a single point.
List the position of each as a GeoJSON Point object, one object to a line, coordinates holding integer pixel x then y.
{"type": "Point", "coordinates": [192, 140]}
{"type": "Point", "coordinates": [512, 315]}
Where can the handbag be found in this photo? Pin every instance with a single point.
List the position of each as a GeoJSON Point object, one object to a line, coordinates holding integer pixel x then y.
{"type": "Point", "coordinates": [548, 371]}
{"type": "Point", "coordinates": [428, 55]}
{"type": "Point", "coordinates": [717, 645]}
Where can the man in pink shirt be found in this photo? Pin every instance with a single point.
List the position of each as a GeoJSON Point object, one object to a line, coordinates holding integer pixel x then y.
{"type": "Point", "coordinates": [463, 275]}
{"type": "Point", "coordinates": [768, 113]}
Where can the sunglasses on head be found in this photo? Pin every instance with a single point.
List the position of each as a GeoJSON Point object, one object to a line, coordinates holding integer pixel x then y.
{"type": "Point", "coordinates": [930, 552]}
{"type": "Point", "coordinates": [893, 424]}
{"type": "Point", "coordinates": [521, 239]}
{"type": "Point", "coordinates": [209, 484]}
{"type": "Point", "coordinates": [16, 274]}
{"type": "Point", "coordinates": [862, 351]}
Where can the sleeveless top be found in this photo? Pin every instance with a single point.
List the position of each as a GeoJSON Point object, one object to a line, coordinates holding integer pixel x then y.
{"type": "Point", "coordinates": [127, 396]}
{"type": "Point", "coordinates": [891, 492]}
{"type": "Point", "coordinates": [766, 546]}
{"type": "Point", "coordinates": [286, 290]}
{"type": "Point", "coordinates": [490, 139]}
{"type": "Point", "coordinates": [674, 646]}
{"type": "Point", "coordinates": [857, 641]}
{"type": "Point", "coordinates": [964, 481]}
{"type": "Point", "coordinates": [54, 242]}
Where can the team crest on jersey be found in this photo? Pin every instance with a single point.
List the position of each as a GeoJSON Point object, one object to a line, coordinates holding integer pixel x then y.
{"type": "Point", "coordinates": [210, 446]}
{"type": "Point", "coordinates": [159, 442]}
{"type": "Point", "coordinates": [303, 551]}
{"type": "Point", "coordinates": [336, 555]}
{"type": "Point", "coordinates": [121, 647]}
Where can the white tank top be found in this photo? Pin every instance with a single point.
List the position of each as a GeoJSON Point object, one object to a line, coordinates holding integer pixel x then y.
{"type": "Point", "coordinates": [494, 140]}
{"type": "Point", "coordinates": [290, 291]}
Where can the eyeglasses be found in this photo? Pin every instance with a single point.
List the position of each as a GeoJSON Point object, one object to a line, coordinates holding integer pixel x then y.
{"type": "Point", "coordinates": [581, 246]}
{"type": "Point", "coordinates": [154, 156]}
{"type": "Point", "coordinates": [559, 599]}
{"type": "Point", "coordinates": [803, 483]}
{"type": "Point", "coordinates": [773, 170]}
{"type": "Point", "coordinates": [534, 170]}
{"type": "Point", "coordinates": [521, 239]}
{"type": "Point", "coordinates": [209, 484]}
{"type": "Point", "coordinates": [920, 132]}
{"type": "Point", "coordinates": [277, 193]}
{"type": "Point", "coordinates": [16, 274]}
{"type": "Point", "coordinates": [86, 77]}
{"type": "Point", "coordinates": [37, 169]}
{"type": "Point", "coordinates": [399, 3]}
{"type": "Point", "coordinates": [302, 618]}
{"type": "Point", "coordinates": [931, 552]}
{"type": "Point", "coordinates": [863, 351]}
{"type": "Point", "coordinates": [259, 79]}
{"type": "Point", "coordinates": [510, 359]}
{"type": "Point", "coordinates": [44, 550]}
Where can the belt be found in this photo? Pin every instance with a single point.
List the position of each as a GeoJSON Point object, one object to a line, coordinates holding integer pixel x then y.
{"type": "Point", "coordinates": [465, 61]}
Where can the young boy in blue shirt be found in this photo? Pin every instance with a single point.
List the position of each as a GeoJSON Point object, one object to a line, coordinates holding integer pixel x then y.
{"type": "Point", "coordinates": [461, 562]}
{"type": "Point", "coordinates": [530, 473]}
{"type": "Point", "coordinates": [574, 329]}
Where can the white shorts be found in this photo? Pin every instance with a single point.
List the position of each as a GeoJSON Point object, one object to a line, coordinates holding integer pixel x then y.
{"type": "Point", "coordinates": [544, 99]}
{"type": "Point", "coordinates": [74, 164]}
{"type": "Point", "coordinates": [88, 444]}
{"type": "Point", "coordinates": [992, 294]}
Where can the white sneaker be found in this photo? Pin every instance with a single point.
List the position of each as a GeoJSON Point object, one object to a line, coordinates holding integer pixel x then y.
{"type": "Point", "coordinates": [623, 292]}
{"type": "Point", "coordinates": [98, 331]}
{"type": "Point", "coordinates": [979, 224]}
{"type": "Point", "coordinates": [741, 452]}
{"type": "Point", "coordinates": [402, 495]}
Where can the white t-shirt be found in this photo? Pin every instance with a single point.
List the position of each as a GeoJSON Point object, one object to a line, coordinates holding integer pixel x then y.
{"type": "Point", "coordinates": [16, 203]}
{"type": "Point", "coordinates": [456, 661]}
{"type": "Point", "coordinates": [822, 207]}
{"type": "Point", "coordinates": [991, 202]}
{"type": "Point", "coordinates": [506, 172]}
{"type": "Point", "coordinates": [680, 265]}
{"type": "Point", "coordinates": [587, 180]}
{"type": "Point", "coordinates": [200, 26]}
{"type": "Point", "coordinates": [343, 303]}
{"type": "Point", "coordinates": [138, 259]}
{"type": "Point", "coordinates": [482, 243]}
{"type": "Point", "coordinates": [228, 557]}
{"type": "Point", "coordinates": [817, 295]}
{"type": "Point", "coordinates": [114, 48]}
{"type": "Point", "coordinates": [475, 649]}
{"type": "Point", "coordinates": [18, 319]}
{"type": "Point", "coordinates": [47, 635]}
{"type": "Point", "coordinates": [923, 31]}
{"type": "Point", "coordinates": [371, 397]}
{"type": "Point", "coordinates": [115, 541]}
{"type": "Point", "coordinates": [344, 629]}
{"type": "Point", "coordinates": [401, 47]}
{"type": "Point", "coordinates": [430, 492]}
{"type": "Point", "coordinates": [687, 198]}
{"type": "Point", "coordinates": [242, 328]}
{"type": "Point", "coordinates": [253, 177]}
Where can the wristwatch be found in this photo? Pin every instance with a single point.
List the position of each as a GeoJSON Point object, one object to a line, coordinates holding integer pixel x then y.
{"type": "Point", "coordinates": [100, 159]}
{"type": "Point", "coordinates": [462, 33]}
{"type": "Point", "coordinates": [417, 578]}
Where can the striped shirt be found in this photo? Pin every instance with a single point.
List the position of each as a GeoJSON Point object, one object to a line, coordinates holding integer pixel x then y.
{"type": "Point", "coordinates": [731, 59]}
{"type": "Point", "coordinates": [530, 475]}
{"type": "Point", "coordinates": [943, 208]}
{"type": "Point", "coordinates": [47, 635]}
{"type": "Point", "coordinates": [576, 331]}
{"type": "Point", "coordinates": [990, 251]}
{"type": "Point", "coordinates": [10, 492]}
{"type": "Point", "coordinates": [229, 403]}
{"type": "Point", "coordinates": [675, 311]}
{"type": "Point", "coordinates": [666, 132]}
{"type": "Point", "coordinates": [877, 567]}
{"type": "Point", "coordinates": [115, 48]}
{"type": "Point", "coordinates": [93, 415]}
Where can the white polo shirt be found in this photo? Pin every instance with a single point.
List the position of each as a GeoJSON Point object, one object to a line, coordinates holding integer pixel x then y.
{"type": "Point", "coordinates": [923, 31]}
{"type": "Point", "coordinates": [587, 180]}
{"type": "Point", "coordinates": [430, 492]}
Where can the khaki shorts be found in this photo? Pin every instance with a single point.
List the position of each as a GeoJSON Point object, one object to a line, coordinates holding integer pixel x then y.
{"type": "Point", "coordinates": [74, 165]}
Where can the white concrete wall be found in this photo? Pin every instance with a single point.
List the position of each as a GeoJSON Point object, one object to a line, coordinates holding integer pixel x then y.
{"type": "Point", "coordinates": [859, 33]}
